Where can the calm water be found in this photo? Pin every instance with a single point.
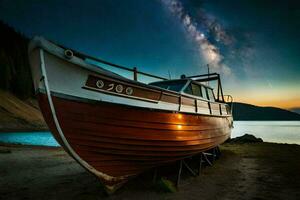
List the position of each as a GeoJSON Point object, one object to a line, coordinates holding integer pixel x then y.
{"type": "Point", "coordinates": [269, 131]}
{"type": "Point", "coordinates": [32, 138]}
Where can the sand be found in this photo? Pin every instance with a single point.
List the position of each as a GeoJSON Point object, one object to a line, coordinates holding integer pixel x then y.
{"type": "Point", "coordinates": [19, 115]}
{"type": "Point", "coordinates": [244, 171]}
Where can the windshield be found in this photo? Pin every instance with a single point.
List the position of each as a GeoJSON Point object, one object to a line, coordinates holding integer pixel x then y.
{"type": "Point", "coordinates": [211, 94]}
{"type": "Point", "coordinates": [200, 91]}
{"type": "Point", "coordinates": [170, 85]}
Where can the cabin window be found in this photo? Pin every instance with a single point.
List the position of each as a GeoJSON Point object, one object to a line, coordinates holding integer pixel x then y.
{"type": "Point", "coordinates": [170, 85]}
{"type": "Point", "coordinates": [210, 95]}
{"type": "Point", "coordinates": [203, 89]}
{"type": "Point", "coordinates": [196, 90]}
{"type": "Point", "coordinates": [189, 89]}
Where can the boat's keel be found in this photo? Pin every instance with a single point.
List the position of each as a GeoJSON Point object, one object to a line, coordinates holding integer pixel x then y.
{"type": "Point", "coordinates": [112, 188]}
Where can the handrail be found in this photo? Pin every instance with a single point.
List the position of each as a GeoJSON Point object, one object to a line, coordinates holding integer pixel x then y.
{"type": "Point", "coordinates": [201, 75]}
{"type": "Point", "coordinates": [134, 70]}
{"type": "Point", "coordinates": [229, 100]}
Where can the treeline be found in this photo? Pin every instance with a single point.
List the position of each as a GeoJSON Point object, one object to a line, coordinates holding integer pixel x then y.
{"type": "Point", "coordinates": [15, 75]}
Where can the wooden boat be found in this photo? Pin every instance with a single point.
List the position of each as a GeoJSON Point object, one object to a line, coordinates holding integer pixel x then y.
{"type": "Point", "coordinates": [116, 127]}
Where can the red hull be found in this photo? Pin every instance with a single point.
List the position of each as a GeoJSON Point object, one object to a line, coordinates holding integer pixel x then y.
{"type": "Point", "coordinates": [123, 141]}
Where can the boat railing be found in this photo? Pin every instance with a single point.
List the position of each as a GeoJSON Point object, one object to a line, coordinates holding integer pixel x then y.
{"type": "Point", "coordinates": [134, 70]}
{"type": "Point", "coordinates": [229, 100]}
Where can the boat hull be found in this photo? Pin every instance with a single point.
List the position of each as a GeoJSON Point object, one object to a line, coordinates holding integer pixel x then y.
{"type": "Point", "coordinates": [123, 141]}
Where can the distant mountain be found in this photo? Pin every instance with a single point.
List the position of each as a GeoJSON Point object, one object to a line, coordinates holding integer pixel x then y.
{"type": "Point", "coordinates": [296, 110]}
{"type": "Point", "coordinates": [243, 111]}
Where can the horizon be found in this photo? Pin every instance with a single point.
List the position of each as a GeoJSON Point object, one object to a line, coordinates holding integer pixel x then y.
{"type": "Point", "coordinates": [256, 54]}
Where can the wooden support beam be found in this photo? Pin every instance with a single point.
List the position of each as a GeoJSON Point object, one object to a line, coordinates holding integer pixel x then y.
{"type": "Point", "coordinates": [154, 176]}
{"type": "Point", "coordinates": [179, 174]}
{"type": "Point", "coordinates": [189, 168]}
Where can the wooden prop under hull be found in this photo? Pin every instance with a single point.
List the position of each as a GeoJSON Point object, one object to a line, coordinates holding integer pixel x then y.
{"type": "Point", "coordinates": [122, 141]}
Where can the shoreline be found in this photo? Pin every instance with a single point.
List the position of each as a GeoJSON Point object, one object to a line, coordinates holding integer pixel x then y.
{"type": "Point", "coordinates": [20, 145]}
{"type": "Point", "coordinates": [22, 130]}
{"type": "Point", "coordinates": [244, 171]}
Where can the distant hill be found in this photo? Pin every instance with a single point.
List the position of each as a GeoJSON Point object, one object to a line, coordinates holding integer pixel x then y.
{"type": "Point", "coordinates": [296, 110]}
{"type": "Point", "coordinates": [243, 111]}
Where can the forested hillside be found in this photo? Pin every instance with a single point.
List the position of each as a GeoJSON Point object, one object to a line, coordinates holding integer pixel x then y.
{"type": "Point", "coordinates": [18, 108]}
{"type": "Point", "coordinates": [15, 73]}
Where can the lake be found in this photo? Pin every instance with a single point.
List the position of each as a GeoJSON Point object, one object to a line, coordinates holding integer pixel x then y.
{"type": "Point", "coordinates": [269, 131]}
{"type": "Point", "coordinates": [33, 138]}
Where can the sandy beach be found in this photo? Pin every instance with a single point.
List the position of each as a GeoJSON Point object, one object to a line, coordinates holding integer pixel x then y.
{"type": "Point", "coordinates": [244, 171]}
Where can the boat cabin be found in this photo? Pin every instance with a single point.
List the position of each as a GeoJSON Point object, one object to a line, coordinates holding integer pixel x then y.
{"type": "Point", "coordinates": [188, 87]}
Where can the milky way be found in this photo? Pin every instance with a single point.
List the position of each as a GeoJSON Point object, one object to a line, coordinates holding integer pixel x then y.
{"type": "Point", "coordinates": [207, 50]}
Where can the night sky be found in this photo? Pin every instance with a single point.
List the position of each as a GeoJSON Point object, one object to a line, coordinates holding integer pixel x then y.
{"type": "Point", "coordinates": [254, 44]}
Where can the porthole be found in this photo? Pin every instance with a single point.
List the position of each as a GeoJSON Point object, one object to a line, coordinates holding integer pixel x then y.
{"type": "Point", "coordinates": [100, 84]}
{"type": "Point", "coordinates": [119, 88]}
{"type": "Point", "coordinates": [129, 91]}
